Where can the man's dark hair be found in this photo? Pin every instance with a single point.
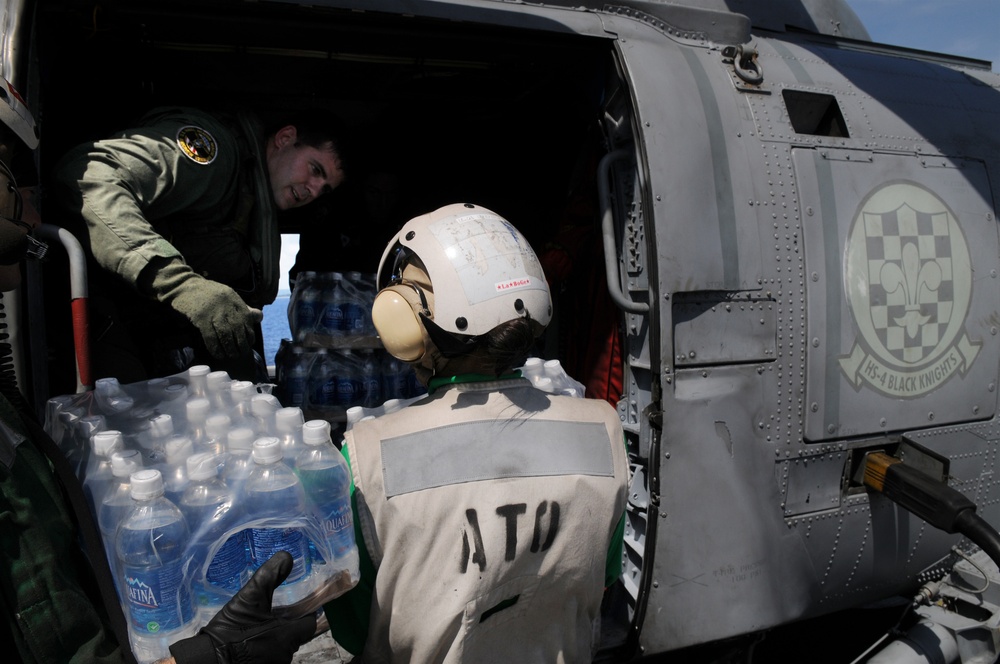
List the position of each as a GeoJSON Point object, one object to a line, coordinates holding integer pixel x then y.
{"type": "Point", "coordinates": [319, 128]}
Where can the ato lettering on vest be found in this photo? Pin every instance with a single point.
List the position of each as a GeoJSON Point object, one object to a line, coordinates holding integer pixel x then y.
{"type": "Point", "coordinates": [544, 531]}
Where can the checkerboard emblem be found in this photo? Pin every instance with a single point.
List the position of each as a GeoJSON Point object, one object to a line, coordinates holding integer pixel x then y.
{"type": "Point", "coordinates": [908, 280]}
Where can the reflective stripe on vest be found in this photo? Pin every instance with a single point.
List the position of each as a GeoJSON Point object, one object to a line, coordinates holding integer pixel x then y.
{"type": "Point", "coordinates": [459, 453]}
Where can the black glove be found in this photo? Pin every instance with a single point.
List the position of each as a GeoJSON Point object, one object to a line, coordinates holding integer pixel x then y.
{"type": "Point", "coordinates": [245, 630]}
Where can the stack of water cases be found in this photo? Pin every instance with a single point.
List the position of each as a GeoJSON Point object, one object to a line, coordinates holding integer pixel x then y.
{"type": "Point", "coordinates": [196, 480]}
{"type": "Point", "coordinates": [334, 360]}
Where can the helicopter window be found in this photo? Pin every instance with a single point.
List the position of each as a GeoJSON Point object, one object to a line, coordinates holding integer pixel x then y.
{"type": "Point", "coordinates": [815, 114]}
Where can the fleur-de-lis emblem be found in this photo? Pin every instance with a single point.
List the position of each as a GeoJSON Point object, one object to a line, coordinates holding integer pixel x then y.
{"type": "Point", "coordinates": [916, 279]}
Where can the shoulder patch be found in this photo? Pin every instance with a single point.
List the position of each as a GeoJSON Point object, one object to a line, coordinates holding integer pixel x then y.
{"type": "Point", "coordinates": [197, 144]}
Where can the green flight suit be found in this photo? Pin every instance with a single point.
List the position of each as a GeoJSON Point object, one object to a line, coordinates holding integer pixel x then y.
{"type": "Point", "coordinates": [184, 185]}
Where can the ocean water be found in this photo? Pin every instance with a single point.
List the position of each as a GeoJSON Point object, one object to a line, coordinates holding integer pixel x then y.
{"type": "Point", "coordinates": [275, 326]}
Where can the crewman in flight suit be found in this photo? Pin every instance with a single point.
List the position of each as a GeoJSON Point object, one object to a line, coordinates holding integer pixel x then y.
{"type": "Point", "coordinates": [489, 514]}
{"type": "Point", "coordinates": [57, 604]}
{"type": "Point", "coordinates": [181, 209]}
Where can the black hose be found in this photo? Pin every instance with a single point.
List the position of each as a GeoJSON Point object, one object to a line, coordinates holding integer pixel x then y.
{"type": "Point", "coordinates": [980, 532]}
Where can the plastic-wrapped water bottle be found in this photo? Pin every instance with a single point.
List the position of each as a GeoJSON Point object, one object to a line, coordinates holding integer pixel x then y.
{"type": "Point", "coordinates": [332, 323]}
{"type": "Point", "coordinates": [174, 472]}
{"type": "Point", "coordinates": [288, 429]}
{"type": "Point", "coordinates": [365, 286]}
{"type": "Point", "coordinates": [296, 377]}
{"type": "Point", "coordinates": [198, 380]}
{"type": "Point", "coordinates": [99, 476]}
{"type": "Point", "coordinates": [81, 451]}
{"type": "Point", "coordinates": [217, 428]}
{"type": "Point", "coordinates": [263, 408]}
{"type": "Point", "coordinates": [348, 378]}
{"type": "Point", "coordinates": [321, 393]}
{"type": "Point", "coordinates": [173, 400]}
{"type": "Point", "coordinates": [354, 415]}
{"type": "Point", "coordinates": [150, 546]}
{"type": "Point", "coordinates": [217, 562]}
{"type": "Point", "coordinates": [238, 462]}
{"type": "Point", "coordinates": [111, 398]}
{"type": "Point", "coordinates": [394, 378]}
{"type": "Point", "coordinates": [196, 412]}
{"type": "Point", "coordinates": [533, 369]}
{"type": "Point", "coordinates": [308, 306]}
{"type": "Point", "coordinates": [161, 430]}
{"type": "Point", "coordinates": [274, 493]}
{"type": "Point", "coordinates": [371, 380]}
{"type": "Point", "coordinates": [218, 390]}
{"type": "Point", "coordinates": [117, 500]}
{"type": "Point", "coordinates": [327, 483]}
{"type": "Point", "coordinates": [353, 305]}
{"type": "Point", "coordinates": [87, 426]}
{"type": "Point", "coordinates": [562, 383]}
{"type": "Point", "coordinates": [241, 392]}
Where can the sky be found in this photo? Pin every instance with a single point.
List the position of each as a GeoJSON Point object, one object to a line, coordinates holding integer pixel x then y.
{"type": "Point", "coordinates": [968, 28]}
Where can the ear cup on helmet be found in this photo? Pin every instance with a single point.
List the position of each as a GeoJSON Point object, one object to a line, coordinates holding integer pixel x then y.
{"type": "Point", "coordinates": [397, 322]}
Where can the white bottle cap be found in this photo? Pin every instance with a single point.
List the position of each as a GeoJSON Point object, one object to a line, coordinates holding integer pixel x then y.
{"type": "Point", "coordinates": [125, 462]}
{"type": "Point", "coordinates": [146, 484]}
{"type": "Point", "coordinates": [161, 426]}
{"type": "Point", "coordinates": [106, 442]}
{"type": "Point", "coordinates": [240, 438]}
{"type": "Point", "coordinates": [178, 449]}
{"type": "Point", "coordinates": [217, 426]}
{"type": "Point", "coordinates": [355, 413]}
{"type": "Point", "coordinates": [199, 370]}
{"type": "Point", "coordinates": [532, 367]}
{"type": "Point", "coordinates": [91, 424]}
{"type": "Point", "coordinates": [201, 466]}
{"type": "Point", "coordinates": [242, 390]}
{"type": "Point", "coordinates": [218, 381]}
{"type": "Point", "coordinates": [544, 384]}
{"type": "Point", "coordinates": [267, 450]}
{"type": "Point", "coordinates": [175, 391]}
{"type": "Point", "coordinates": [264, 405]}
{"type": "Point", "coordinates": [392, 405]}
{"type": "Point", "coordinates": [197, 409]}
{"type": "Point", "coordinates": [316, 432]}
{"type": "Point", "coordinates": [288, 420]}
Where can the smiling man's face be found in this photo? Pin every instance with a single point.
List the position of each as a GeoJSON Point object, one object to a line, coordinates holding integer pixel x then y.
{"type": "Point", "coordinates": [299, 173]}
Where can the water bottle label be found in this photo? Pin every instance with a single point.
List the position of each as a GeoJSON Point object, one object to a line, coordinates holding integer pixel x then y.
{"type": "Point", "coordinates": [226, 569]}
{"type": "Point", "coordinates": [354, 318]}
{"type": "Point", "coordinates": [333, 319]}
{"type": "Point", "coordinates": [324, 393]}
{"type": "Point", "coordinates": [306, 315]}
{"type": "Point", "coordinates": [348, 391]}
{"type": "Point", "coordinates": [265, 542]}
{"type": "Point", "coordinates": [158, 601]}
{"type": "Point", "coordinates": [339, 527]}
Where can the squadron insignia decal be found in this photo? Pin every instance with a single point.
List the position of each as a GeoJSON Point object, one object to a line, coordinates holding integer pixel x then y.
{"type": "Point", "coordinates": [908, 279]}
{"type": "Point", "coordinates": [197, 144]}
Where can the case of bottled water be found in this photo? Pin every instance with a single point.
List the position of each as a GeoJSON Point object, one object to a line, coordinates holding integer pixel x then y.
{"type": "Point", "coordinates": [227, 494]}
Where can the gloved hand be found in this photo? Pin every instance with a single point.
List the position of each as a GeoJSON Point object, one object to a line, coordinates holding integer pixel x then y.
{"type": "Point", "coordinates": [221, 316]}
{"type": "Point", "coordinates": [245, 630]}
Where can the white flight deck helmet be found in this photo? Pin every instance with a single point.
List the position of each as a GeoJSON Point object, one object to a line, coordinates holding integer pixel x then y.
{"type": "Point", "coordinates": [452, 275]}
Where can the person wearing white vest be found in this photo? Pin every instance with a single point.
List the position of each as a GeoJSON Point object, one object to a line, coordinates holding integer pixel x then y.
{"type": "Point", "coordinates": [489, 514]}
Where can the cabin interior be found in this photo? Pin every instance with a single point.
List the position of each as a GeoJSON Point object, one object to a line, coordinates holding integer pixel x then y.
{"type": "Point", "coordinates": [436, 112]}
